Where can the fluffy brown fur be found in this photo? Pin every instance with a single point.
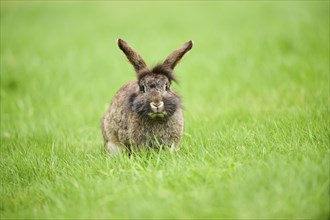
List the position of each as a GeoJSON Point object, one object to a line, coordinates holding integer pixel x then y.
{"type": "Point", "coordinates": [145, 112]}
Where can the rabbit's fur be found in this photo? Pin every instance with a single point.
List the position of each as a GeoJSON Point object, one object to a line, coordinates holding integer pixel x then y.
{"type": "Point", "coordinates": [146, 112]}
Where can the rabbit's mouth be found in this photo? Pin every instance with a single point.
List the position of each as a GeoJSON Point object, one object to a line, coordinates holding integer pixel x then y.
{"type": "Point", "coordinates": [157, 109]}
{"type": "Point", "coordinates": [157, 114]}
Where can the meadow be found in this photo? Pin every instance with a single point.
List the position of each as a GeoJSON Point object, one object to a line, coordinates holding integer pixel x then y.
{"type": "Point", "coordinates": [255, 88]}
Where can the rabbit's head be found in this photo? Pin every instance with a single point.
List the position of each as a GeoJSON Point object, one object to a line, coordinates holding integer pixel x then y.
{"type": "Point", "coordinates": [154, 97]}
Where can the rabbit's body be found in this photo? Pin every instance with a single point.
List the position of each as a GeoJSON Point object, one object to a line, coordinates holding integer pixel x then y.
{"type": "Point", "coordinates": [122, 126]}
{"type": "Point", "coordinates": [145, 112]}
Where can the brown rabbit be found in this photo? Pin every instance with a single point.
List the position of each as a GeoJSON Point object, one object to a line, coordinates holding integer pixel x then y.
{"type": "Point", "coordinates": [146, 112]}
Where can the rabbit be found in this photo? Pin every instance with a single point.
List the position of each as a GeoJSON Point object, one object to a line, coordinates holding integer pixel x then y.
{"type": "Point", "coordinates": [146, 112]}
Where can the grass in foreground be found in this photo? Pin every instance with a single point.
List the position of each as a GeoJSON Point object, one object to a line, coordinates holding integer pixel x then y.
{"type": "Point", "coordinates": [255, 89]}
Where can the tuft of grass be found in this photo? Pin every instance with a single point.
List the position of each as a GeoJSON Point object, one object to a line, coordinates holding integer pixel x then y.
{"type": "Point", "coordinates": [256, 94]}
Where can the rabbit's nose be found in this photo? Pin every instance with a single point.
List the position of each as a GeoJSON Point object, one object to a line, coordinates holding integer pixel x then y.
{"type": "Point", "coordinates": [157, 106]}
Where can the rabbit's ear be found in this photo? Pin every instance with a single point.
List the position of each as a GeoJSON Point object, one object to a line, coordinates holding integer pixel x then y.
{"type": "Point", "coordinates": [173, 59]}
{"type": "Point", "coordinates": [134, 57]}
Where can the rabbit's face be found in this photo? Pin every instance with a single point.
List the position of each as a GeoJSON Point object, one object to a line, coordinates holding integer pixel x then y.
{"type": "Point", "coordinates": [155, 99]}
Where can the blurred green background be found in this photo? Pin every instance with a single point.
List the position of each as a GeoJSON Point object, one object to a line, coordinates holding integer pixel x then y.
{"type": "Point", "coordinates": [255, 89]}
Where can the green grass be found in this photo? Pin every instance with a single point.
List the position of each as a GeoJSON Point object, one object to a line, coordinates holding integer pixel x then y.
{"type": "Point", "coordinates": [256, 95]}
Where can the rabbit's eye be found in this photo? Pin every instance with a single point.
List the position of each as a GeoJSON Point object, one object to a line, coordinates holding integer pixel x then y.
{"type": "Point", "coordinates": [143, 89]}
{"type": "Point", "coordinates": [167, 87]}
